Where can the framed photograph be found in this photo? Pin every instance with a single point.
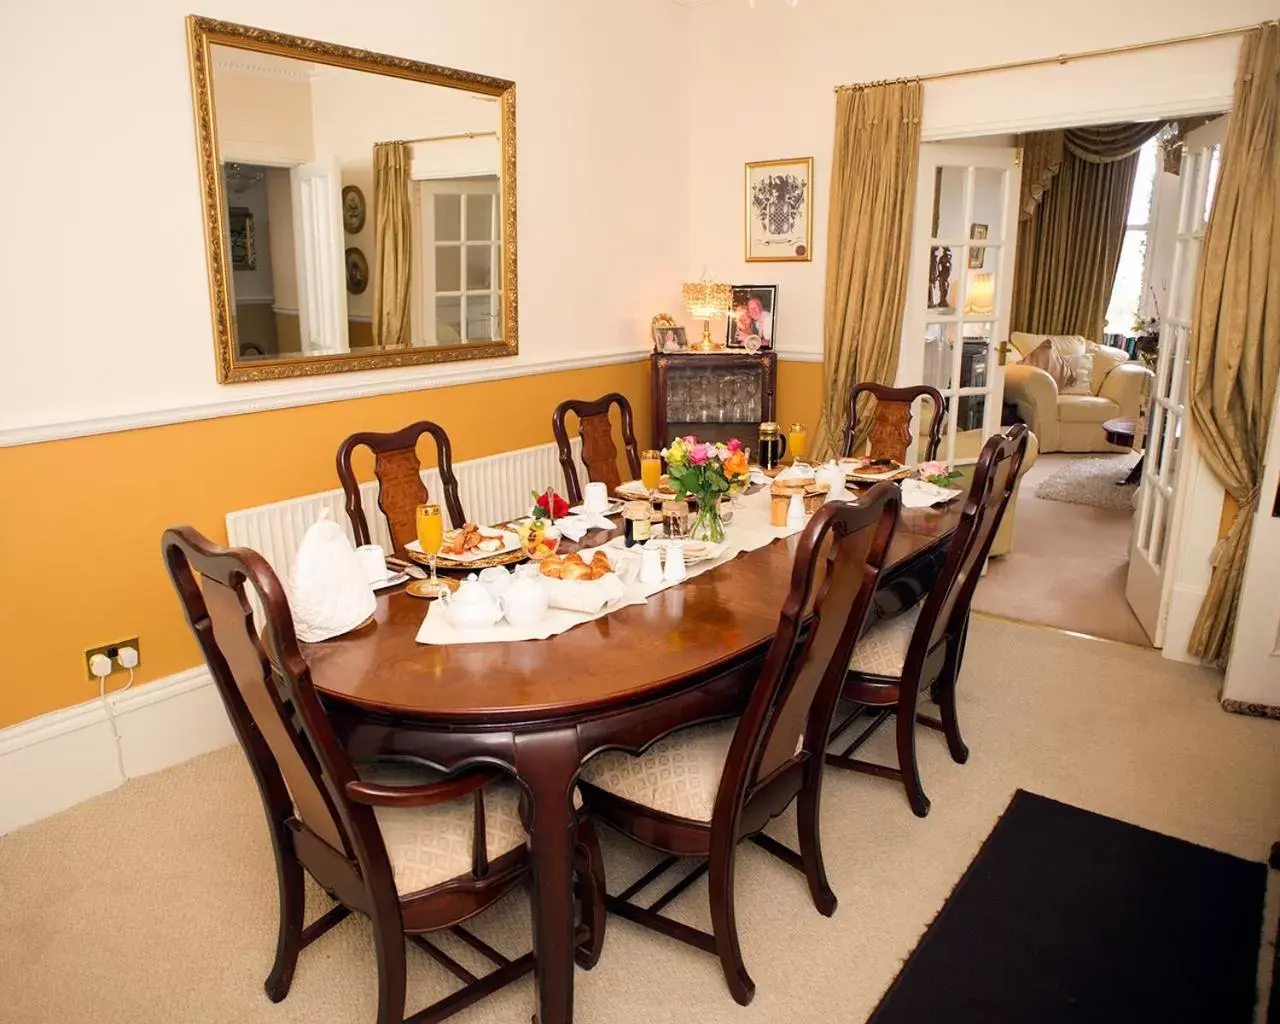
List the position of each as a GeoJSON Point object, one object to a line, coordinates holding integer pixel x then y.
{"type": "Point", "coordinates": [353, 209]}
{"type": "Point", "coordinates": [670, 339]}
{"type": "Point", "coordinates": [357, 271]}
{"type": "Point", "coordinates": [659, 321]}
{"type": "Point", "coordinates": [977, 257]}
{"type": "Point", "coordinates": [753, 311]}
{"type": "Point", "coordinates": [244, 253]}
{"type": "Point", "coordinates": [779, 210]}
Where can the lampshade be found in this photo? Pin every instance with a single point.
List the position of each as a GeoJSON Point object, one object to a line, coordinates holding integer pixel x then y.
{"type": "Point", "coordinates": [705, 299]}
{"type": "Point", "coordinates": [980, 299]}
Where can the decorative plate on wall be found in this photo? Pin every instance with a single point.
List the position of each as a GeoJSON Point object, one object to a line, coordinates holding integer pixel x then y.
{"type": "Point", "coordinates": [357, 271]}
{"type": "Point", "coordinates": [352, 210]}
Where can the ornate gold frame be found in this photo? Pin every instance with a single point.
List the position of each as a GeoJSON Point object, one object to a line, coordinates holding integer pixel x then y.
{"type": "Point", "coordinates": [203, 33]}
{"type": "Point", "coordinates": [746, 205]}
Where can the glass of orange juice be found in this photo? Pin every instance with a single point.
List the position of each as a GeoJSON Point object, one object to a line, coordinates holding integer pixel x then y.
{"type": "Point", "coordinates": [651, 469]}
{"type": "Point", "coordinates": [430, 523]}
{"type": "Point", "coordinates": [798, 442]}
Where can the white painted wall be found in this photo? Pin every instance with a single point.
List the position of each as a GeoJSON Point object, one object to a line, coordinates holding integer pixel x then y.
{"type": "Point", "coordinates": [603, 161]}
{"type": "Point", "coordinates": [763, 79]}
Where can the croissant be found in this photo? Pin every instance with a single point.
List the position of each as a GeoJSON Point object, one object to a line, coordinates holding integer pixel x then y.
{"type": "Point", "coordinates": [553, 566]}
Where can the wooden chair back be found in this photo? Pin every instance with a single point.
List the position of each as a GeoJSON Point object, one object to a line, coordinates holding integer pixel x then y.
{"type": "Point", "coordinates": [838, 562]}
{"type": "Point", "coordinates": [267, 691]}
{"type": "Point", "coordinates": [599, 453]}
{"type": "Point", "coordinates": [946, 610]}
{"type": "Point", "coordinates": [891, 430]}
{"type": "Point", "coordinates": [400, 487]}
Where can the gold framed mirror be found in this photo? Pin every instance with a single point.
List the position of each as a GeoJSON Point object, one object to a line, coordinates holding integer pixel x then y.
{"type": "Point", "coordinates": [359, 209]}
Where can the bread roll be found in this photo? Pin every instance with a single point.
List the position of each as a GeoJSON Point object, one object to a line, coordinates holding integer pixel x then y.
{"type": "Point", "coordinates": [576, 570]}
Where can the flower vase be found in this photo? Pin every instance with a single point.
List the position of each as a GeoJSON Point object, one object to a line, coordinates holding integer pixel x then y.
{"type": "Point", "coordinates": [707, 524]}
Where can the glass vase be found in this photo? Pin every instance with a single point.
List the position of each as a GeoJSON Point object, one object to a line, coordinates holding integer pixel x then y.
{"type": "Point", "coordinates": [707, 524]}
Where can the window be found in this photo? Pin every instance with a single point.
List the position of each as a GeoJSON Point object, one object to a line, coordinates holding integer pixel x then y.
{"type": "Point", "coordinates": [1131, 277]}
{"type": "Point", "coordinates": [458, 288]}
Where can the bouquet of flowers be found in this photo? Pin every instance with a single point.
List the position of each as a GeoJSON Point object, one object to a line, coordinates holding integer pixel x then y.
{"type": "Point", "coordinates": [707, 471]}
{"type": "Point", "coordinates": [938, 473]}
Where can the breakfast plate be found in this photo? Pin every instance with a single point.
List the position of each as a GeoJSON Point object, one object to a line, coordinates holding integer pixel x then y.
{"type": "Point", "coordinates": [508, 544]}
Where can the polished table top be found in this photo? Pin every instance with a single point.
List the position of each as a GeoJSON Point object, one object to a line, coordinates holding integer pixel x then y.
{"type": "Point", "coordinates": [686, 631]}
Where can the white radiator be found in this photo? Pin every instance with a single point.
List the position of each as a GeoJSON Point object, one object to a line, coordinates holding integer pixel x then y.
{"type": "Point", "coordinates": [493, 490]}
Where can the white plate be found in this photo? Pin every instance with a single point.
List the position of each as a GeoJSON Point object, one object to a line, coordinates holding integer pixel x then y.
{"type": "Point", "coordinates": [635, 488]}
{"type": "Point", "coordinates": [510, 542]}
{"type": "Point", "coordinates": [390, 581]}
{"type": "Point", "coordinates": [614, 507]}
{"type": "Point", "coordinates": [695, 550]}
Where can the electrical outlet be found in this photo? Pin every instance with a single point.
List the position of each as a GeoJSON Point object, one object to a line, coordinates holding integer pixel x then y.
{"type": "Point", "coordinates": [110, 650]}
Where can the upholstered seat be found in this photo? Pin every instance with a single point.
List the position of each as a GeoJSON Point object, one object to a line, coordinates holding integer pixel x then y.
{"type": "Point", "coordinates": [678, 775]}
{"type": "Point", "coordinates": [882, 651]}
{"type": "Point", "coordinates": [430, 845]}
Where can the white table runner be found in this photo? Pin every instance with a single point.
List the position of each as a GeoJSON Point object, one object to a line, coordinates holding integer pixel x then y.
{"type": "Point", "coordinates": [748, 531]}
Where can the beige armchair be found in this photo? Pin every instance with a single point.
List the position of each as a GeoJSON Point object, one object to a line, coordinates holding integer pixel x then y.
{"type": "Point", "coordinates": [1073, 422]}
{"type": "Point", "coordinates": [1002, 544]}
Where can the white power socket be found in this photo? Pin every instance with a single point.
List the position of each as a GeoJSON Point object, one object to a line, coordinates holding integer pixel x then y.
{"type": "Point", "coordinates": [100, 665]}
{"type": "Point", "coordinates": [127, 657]}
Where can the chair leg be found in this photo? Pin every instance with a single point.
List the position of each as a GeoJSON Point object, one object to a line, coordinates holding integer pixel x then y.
{"type": "Point", "coordinates": [724, 924]}
{"type": "Point", "coordinates": [591, 893]}
{"type": "Point", "coordinates": [807, 826]}
{"type": "Point", "coordinates": [907, 761]}
{"type": "Point", "coordinates": [945, 695]}
{"type": "Point", "coordinates": [292, 908]}
{"type": "Point", "coordinates": [388, 944]}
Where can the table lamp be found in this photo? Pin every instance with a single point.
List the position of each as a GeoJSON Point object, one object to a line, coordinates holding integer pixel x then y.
{"type": "Point", "coordinates": [705, 299]}
{"type": "Point", "coordinates": [980, 299]}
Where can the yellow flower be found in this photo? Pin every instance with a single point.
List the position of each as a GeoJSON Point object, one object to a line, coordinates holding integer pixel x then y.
{"type": "Point", "coordinates": [676, 452]}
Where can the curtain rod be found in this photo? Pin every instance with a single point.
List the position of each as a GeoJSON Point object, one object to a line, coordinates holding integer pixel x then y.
{"type": "Point", "coordinates": [1065, 58]}
{"type": "Point", "coordinates": [444, 138]}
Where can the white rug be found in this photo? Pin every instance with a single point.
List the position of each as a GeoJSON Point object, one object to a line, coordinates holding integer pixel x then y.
{"type": "Point", "coordinates": [1093, 481]}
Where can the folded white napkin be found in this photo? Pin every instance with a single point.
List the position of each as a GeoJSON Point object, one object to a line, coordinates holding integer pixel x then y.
{"type": "Point", "coordinates": [589, 596]}
{"type": "Point", "coordinates": [758, 475]}
{"type": "Point", "coordinates": [577, 527]}
{"type": "Point", "coordinates": [797, 471]}
{"type": "Point", "coordinates": [922, 494]}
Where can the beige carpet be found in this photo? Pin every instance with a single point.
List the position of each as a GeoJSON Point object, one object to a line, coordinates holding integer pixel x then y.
{"type": "Point", "coordinates": [1068, 564]}
{"type": "Point", "coordinates": [156, 902]}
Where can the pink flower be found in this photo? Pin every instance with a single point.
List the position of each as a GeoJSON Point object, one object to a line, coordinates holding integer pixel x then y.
{"type": "Point", "coordinates": [935, 468]}
{"type": "Point", "coordinates": [722, 453]}
{"type": "Point", "coordinates": [698, 454]}
{"type": "Point", "coordinates": [734, 445]}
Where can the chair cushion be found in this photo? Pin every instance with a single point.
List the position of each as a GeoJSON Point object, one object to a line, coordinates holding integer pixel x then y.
{"type": "Point", "coordinates": [882, 651]}
{"type": "Point", "coordinates": [431, 845]}
{"type": "Point", "coordinates": [679, 775]}
{"type": "Point", "coordinates": [1105, 359]}
{"type": "Point", "coordinates": [1085, 409]}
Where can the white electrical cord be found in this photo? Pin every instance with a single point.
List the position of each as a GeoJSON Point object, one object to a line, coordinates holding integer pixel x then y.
{"type": "Point", "coordinates": [111, 715]}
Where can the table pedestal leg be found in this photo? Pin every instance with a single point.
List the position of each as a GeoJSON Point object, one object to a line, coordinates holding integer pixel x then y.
{"type": "Point", "coordinates": [547, 764]}
{"type": "Point", "coordinates": [1135, 474]}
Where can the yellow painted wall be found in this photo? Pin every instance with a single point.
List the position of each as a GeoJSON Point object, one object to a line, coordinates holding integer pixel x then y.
{"type": "Point", "coordinates": [83, 568]}
{"type": "Point", "coordinates": [800, 395]}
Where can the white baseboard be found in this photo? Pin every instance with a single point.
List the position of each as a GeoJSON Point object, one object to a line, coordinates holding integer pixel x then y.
{"type": "Point", "coordinates": [1184, 606]}
{"type": "Point", "coordinates": [58, 760]}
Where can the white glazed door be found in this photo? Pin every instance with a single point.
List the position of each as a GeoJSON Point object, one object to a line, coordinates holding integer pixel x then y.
{"type": "Point", "coordinates": [1152, 544]}
{"type": "Point", "coordinates": [321, 259]}
{"type": "Point", "coordinates": [960, 290]}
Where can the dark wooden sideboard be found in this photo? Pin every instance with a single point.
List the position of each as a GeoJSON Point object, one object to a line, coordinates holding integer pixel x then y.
{"type": "Point", "coordinates": [714, 395]}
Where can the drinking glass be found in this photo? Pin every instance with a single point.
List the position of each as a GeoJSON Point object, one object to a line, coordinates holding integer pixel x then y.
{"type": "Point", "coordinates": [675, 519]}
{"type": "Point", "coordinates": [651, 469]}
{"type": "Point", "coordinates": [430, 523]}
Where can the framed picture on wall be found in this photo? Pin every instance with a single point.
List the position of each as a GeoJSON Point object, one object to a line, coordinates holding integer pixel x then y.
{"type": "Point", "coordinates": [977, 256]}
{"type": "Point", "coordinates": [779, 210]}
{"type": "Point", "coordinates": [244, 255]}
{"type": "Point", "coordinates": [753, 312]}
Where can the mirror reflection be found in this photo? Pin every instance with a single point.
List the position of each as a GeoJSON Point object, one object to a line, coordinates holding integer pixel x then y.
{"type": "Point", "coordinates": [362, 214]}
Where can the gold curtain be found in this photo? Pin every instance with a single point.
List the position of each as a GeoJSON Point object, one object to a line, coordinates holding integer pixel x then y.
{"type": "Point", "coordinates": [873, 190]}
{"type": "Point", "coordinates": [393, 254]}
{"type": "Point", "coordinates": [1235, 330]}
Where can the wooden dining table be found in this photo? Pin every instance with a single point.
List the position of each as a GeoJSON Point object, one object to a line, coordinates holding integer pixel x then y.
{"type": "Point", "coordinates": [538, 709]}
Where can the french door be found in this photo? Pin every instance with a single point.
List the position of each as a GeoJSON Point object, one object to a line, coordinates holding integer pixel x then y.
{"type": "Point", "coordinates": [1156, 521]}
{"type": "Point", "coordinates": [960, 291]}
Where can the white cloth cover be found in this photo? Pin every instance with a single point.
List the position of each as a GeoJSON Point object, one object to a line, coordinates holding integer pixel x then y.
{"type": "Point", "coordinates": [431, 845]}
{"type": "Point", "coordinates": [678, 775]}
{"type": "Point", "coordinates": [577, 527]}
{"type": "Point", "coordinates": [882, 651]}
{"type": "Point", "coordinates": [328, 591]}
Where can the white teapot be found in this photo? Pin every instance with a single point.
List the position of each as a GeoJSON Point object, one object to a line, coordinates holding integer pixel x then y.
{"type": "Point", "coordinates": [525, 601]}
{"type": "Point", "coordinates": [472, 607]}
{"type": "Point", "coordinates": [833, 476]}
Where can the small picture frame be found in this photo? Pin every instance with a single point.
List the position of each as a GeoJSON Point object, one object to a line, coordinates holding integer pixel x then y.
{"type": "Point", "coordinates": [753, 311]}
{"type": "Point", "coordinates": [670, 339]}
{"type": "Point", "coordinates": [779, 210]}
{"type": "Point", "coordinates": [977, 254]}
{"type": "Point", "coordinates": [244, 254]}
{"type": "Point", "coordinates": [353, 209]}
{"type": "Point", "coordinates": [357, 271]}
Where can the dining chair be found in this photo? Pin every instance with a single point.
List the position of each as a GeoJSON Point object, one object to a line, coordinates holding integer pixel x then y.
{"type": "Point", "coordinates": [599, 453]}
{"type": "Point", "coordinates": [924, 646]}
{"type": "Point", "coordinates": [409, 848]}
{"type": "Point", "coordinates": [699, 791]}
{"type": "Point", "coordinates": [891, 430]}
{"type": "Point", "coordinates": [400, 486]}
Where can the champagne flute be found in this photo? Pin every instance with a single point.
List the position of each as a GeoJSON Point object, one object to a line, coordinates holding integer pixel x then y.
{"type": "Point", "coordinates": [430, 523]}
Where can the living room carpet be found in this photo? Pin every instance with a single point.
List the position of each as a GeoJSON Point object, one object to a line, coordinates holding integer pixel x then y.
{"type": "Point", "coordinates": [1068, 916]}
{"type": "Point", "coordinates": [1092, 481]}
